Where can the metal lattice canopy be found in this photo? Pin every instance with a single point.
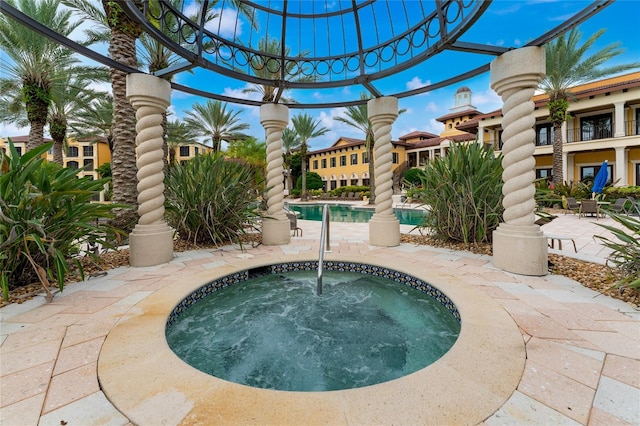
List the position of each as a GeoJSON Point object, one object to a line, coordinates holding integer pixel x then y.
{"type": "Point", "coordinates": [311, 44]}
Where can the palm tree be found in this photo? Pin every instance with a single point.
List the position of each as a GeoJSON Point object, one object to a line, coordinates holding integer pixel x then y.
{"type": "Point", "coordinates": [262, 70]}
{"type": "Point", "coordinates": [357, 117]}
{"type": "Point", "coordinates": [178, 134]}
{"type": "Point", "coordinates": [34, 61]}
{"type": "Point", "coordinates": [94, 120]}
{"type": "Point", "coordinates": [306, 128]}
{"type": "Point", "coordinates": [567, 67]}
{"type": "Point", "coordinates": [214, 121]}
{"type": "Point", "coordinates": [290, 143]}
{"type": "Point", "coordinates": [70, 96]}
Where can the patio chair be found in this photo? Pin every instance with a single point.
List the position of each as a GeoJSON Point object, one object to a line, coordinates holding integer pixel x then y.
{"type": "Point", "coordinates": [293, 223]}
{"type": "Point", "coordinates": [620, 205]}
{"type": "Point", "coordinates": [570, 205]}
{"type": "Point", "coordinates": [589, 207]}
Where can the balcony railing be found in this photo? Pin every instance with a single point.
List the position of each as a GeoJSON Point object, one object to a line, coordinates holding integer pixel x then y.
{"type": "Point", "coordinates": [590, 133]}
{"type": "Point", "coordinates": [632, 128]}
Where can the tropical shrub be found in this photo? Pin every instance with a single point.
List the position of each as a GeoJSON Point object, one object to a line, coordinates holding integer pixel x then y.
{"type": "Point", "coordinates": [350, 188]}
{"type": "Point", "coordinates": [412, 177]}
{"type": "Point", "coordinates": [615, 192]}
{"type": "Point", "coordinates": [577, 190]}
{"type": "Point", "coordinates": [46, 214]}
{"type": "Point", "coordinates": [463, 191]}
{"type": "Point", "coordinates": [626, 251]}
{"type": "Point", "coordinates": [314, 181]}
{"type": "Point", "coordinates": [212, 200]}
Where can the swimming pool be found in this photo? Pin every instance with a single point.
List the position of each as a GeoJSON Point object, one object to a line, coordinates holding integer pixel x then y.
{"type": "Point", "coordinates": [349, 213]}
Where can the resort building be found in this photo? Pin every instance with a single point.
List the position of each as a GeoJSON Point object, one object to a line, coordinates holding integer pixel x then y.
{"type": "Point", "coordinates": [604, 125]}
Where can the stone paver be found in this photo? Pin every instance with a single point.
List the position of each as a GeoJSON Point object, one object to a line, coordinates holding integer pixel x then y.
{"type": "Point", "coordinates": [583, 352]}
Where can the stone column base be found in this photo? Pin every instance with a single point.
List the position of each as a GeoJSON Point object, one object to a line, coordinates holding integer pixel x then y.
{"type": "Point", "coordinates": [384, 230]}
{"type": "Point", "coordinates": [150, 245]}
{"type": "Point", "coordinates": [276, 232]}
{"type": "Point", "coordinates": [520, 249]}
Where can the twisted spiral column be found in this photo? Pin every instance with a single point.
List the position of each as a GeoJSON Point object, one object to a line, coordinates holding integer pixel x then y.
{"type": "Point", "coordinates": [519, 244]}
{"type": "Point", "coordinates": [150, 162]}
{"type": "Point", "coordinates": [275, 226]}
{"type": "Point", "coordinates": [151, 242]}
{"type": "Point", "coordinates": [384, 227]}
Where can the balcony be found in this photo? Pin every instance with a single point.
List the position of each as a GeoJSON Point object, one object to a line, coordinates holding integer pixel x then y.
{"type": "Point", "coordinates": [590, 133]}
{"type": "Point", "coordinates": [632, 128]}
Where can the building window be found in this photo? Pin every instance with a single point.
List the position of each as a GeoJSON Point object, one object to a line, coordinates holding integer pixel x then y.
{"type": "Point", "coordinates": [184, 151]}
{"type": "Point", "coordinates": [324, 163]}
{"type": "Point", "coordinates": [88, 165]}
{"type": "Point", "coordinates": [354, 182]}
{"type": "Point", "coordinates": [72, 151]}
{"type": "Point", "coordinates": [334, 184]}
{"type": "Point", "coordinates": [343, 182]}
{"type": "Point", "coordinates": [365, 182]}
{"type": "Point", "coordinates": [19, 150]}
{"type": "Point", "coordinates": [544, 134]}
{"type": "Point", "coordinates": [87, 151]}
{"type": "Point", "coordinates": [546, 173]}
{"type": "Point", "coordinates": [637, 174]}
{"type": "Point", "coordinates": [395, 158]}
{"type": "Point", "coordinates": [365, 157]}
{"type": "Point", "coordinates": [333, 162]}
{"type": "Point", "coordinates": [72, 165]}
{"type": "Point", "coordinates": [343, 160]}
{"type": "Point", "coordinates": [596, 127]}
{"type": "Point", "coordinates": [315, 164]}
{"type": "Point", "coordinates": [588, 173]}
{"type": "Point", "coordinates": [195, 150]}
{"type": "Point", "coordinates": [354, 159]}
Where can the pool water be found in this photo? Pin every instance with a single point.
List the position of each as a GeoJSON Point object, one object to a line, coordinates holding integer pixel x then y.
{"type": "Point", "coordinates": [347, 213]}
{"type": "Point", "coordinates": [274, 332]}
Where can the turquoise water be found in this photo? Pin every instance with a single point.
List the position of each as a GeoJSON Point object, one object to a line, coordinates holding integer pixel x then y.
{"type": "Point", "coordinates": [346, 213]}
{"type": "Point", "coordinates": [274, 332]}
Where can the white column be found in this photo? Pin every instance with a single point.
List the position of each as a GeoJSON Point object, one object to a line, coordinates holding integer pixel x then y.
{"type": "Point", "coordinates": [564, 133]}
{"type": "Point", "coordinates": [619, 120]}
{"type": "Point", "coordinates": [622, 172]}
{"type": "Point", "coordinates": [519, 246]}
{"type": "Point", "coordinates": [384, 227]}
{"type": "Point", "coordinates": [275, 226]}
{"type": "Point", "coordinates": [565, 167]}
{"type": "Point", "coordinates": [151, 241]}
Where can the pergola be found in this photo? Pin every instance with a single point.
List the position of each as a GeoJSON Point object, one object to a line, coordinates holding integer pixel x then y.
{"type": "Point", "coordinates": [326, 45]}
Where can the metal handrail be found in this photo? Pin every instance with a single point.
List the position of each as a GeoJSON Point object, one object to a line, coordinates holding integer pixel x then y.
{"type": "Point", "coordinates": [324, 240]}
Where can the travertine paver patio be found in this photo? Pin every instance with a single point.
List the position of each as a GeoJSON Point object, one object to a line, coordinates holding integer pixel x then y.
{"type": "Point", "coordinates": [583, 349]}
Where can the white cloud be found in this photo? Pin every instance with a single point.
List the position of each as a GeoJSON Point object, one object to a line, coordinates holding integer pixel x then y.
{"type": "Point", "coordinates": [416, 83]}
{"type": "Point", "coordinates": [431, 107]}
{"type": "Point", "coordinates": [487, 98]}
{"type": "Point", "coordinates": [225, 23]}
{"type": "Point", "coordinates": [517, 42]}
{"type": "Point", "coordinates": [240, 94]}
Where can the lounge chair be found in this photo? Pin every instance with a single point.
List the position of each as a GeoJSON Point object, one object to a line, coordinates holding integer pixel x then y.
{"type": "Point", "coordinates": [589, 207]}
{"type": "Point", "coordinates": [570, 204]}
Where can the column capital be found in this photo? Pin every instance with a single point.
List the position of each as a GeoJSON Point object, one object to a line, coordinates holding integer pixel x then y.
{"type": "Point", "coordinates": [274, 113]}
{"type": "Point", "coordinates": [148, 89]}
{"type": "Point", "coordinates": [518, 68]}
{"type": "Point", "coordinates": [384, 106]}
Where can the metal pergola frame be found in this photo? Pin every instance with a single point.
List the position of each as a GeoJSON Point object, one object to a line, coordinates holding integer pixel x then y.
{"type": "Point", "coordinates": [196, 57]}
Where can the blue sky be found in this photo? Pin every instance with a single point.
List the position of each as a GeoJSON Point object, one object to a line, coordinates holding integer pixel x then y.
{"type": "Point", "coordinates": [506, 23]}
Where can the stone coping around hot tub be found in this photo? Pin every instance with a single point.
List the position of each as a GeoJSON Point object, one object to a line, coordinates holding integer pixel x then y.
{"type": "Point", "coordinates": [328, 265]}
{"type": "Point", "coordinates": [150, 385]}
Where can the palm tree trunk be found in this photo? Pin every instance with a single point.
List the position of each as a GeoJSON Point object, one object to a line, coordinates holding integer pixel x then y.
{"type": "Point", "coordinates": [58, 130]}
{"type": "Point", "coordinates": [557, 155]}
{"type": "Point", "coordinates": [122, 48]}
{"type": "Point", "coordinates": [36, 134]}
{"type": "Point", "coordinates": [303, 154]}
